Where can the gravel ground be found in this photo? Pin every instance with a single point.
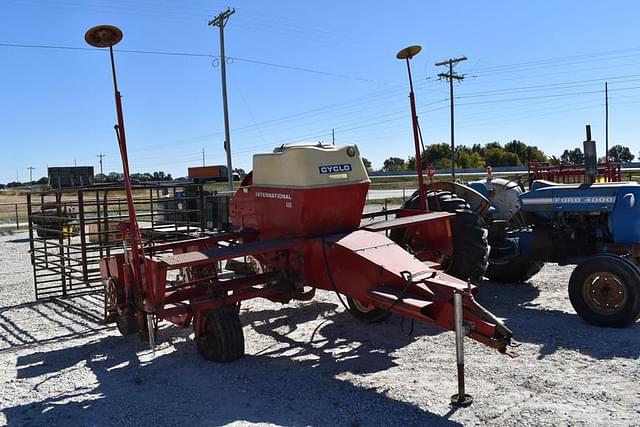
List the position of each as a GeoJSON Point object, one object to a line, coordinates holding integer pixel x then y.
{"type": "Point", "coordinates": [312, 364]}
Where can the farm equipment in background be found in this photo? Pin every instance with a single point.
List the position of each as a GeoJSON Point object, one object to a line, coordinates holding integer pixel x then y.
{"type": "Point", "coordinates": [297, 219]}
{"type": "Point", "coordinates": [55, 220]}
{"type": "Point", "coordinates": [204, 174]}
{"type": "Point", "coordinates": [593, 225]}
{"type": "Point", "coordinates": [572, 174]}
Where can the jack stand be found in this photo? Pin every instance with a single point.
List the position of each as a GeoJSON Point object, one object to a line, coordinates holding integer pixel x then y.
{"type": "Point", "coordinates": [460, 399]}
{"type": "Point", "coordinates": [151, 331]}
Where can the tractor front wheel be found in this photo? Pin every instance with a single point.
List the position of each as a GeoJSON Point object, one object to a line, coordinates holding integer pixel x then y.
{"type": "Point", "coordinates": [221, 338]}
{"type": "Point", "coordinates": [605, 291]}
{"type": "Point", "coordinates": [366, 312]}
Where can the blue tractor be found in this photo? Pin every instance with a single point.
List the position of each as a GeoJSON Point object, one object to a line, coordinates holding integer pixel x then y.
{"type": "Point", "coordinates": [595, 226]}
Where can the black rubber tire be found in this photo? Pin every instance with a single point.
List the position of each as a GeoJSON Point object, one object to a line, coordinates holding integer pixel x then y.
{"type": "Point", "coordinates": [513, 269]}
{"type": "Point", "coordinates": [126, 323]}
{"type": "Point", "coordinates": [470, 247]}
{"type": "Point", "coordinates": [517, 270]}
{"type": "Point", "coordinates": [628, 276]}
{"type": "Point", "coordinates": [221, 337]}
{"type": "Point", "coordinates": [367, 315]}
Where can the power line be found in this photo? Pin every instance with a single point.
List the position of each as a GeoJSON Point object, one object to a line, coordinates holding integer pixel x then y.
{"type": "Point", "coordinates": [575, 59]}
{"type": "Point", "coordinates": [350, 104]}
{"type": "Point", "coordinates": [308, 70]}
{"type": "Point", "coordinates": [551, 86]}
{"type": "Point", "coordinates": [200, 55]}
{"type": "Point", "coordinates": [184, 12]}
{"type": "Point", "coordinates": [383, 95]}
{"type": "Point", "coordinates": [143, 52]}
{"type": "Point", "coordinates": [557, 95]}
{"type": "Point", "coordinates": [376, 120]}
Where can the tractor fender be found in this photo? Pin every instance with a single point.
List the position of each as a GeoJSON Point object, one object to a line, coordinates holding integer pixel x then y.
{"type": "Point", "coordinates": [502, 194]}
{"type": "Point", "coordinates": [478, 203]}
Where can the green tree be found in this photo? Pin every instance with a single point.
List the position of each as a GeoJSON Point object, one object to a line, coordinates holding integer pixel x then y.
{"type": "Point", "coordinates": [469, 159]}
{"type": "Point", "coordinates": [434, 154]}
{"type": "Point", "coordinates": [161, 176]}
{"type": "Point", "coordinates": [367, 164]}
{"type": "Point", "coordinates": [554, 160]}
{"type": "Point", "coordinates": [573, 157]}
{"type": "Point", "coordinates": [437, 152]}
{"type": "Point", "coordinates": [411, 162]}
{"type": "Point", "coordinates": [114, 177]}
{"type": "Point", "coordinates": [394, 164]}
{"type": "Point", "coordinates": [619, 153]}
{"type": "Point", "coordinates": [444, 163]}
{"type": "Point", "coordinates": [477, 148]}
{"type": "Point", "coordinates": [525, 152]}
{"type": "Point", "coordinates": [497, 156]}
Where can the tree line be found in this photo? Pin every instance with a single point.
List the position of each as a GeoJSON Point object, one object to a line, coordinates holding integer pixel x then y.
{"type": "Point", "coordinates": [139, 177]}
{"type": "Point", "coordinates": [101, 178]}
{"type": "Point", "coordinates": [114, 177]}
{"type": "Point", "coordinates": [513, 153]}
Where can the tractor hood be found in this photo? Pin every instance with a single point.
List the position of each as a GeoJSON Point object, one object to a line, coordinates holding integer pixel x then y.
{"type": "Point", "coordinates": [619, 201]}
{"type": "Point", "coordinates": [546, 196]}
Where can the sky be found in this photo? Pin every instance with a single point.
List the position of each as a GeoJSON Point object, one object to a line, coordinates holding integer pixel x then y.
{"type": "Point", "coordinates": [299, 70]}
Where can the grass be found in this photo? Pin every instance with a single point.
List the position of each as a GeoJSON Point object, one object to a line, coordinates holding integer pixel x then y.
{"type": "Point", "coordinates": [390, 201]}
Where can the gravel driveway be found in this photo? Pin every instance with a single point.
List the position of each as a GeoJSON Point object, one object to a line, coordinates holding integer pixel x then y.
{"type": "Point", "coordinates": [313, 364]}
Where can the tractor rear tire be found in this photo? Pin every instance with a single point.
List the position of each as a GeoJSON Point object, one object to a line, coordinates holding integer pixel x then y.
{"type": "Point", "coordinates": [221, 338]}
{"type": "Point", "coordinates": [470, 247]}
{"type": "Point", "coordinates": [605, 291]}
{"type": "Point", "coordinates": [365, 313]}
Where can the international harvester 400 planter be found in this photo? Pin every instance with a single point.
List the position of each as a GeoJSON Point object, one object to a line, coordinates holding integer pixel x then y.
{"type": "Point", "coordinates": [298, 216]}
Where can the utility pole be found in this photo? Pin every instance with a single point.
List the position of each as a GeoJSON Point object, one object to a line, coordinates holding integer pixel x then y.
{"type": "Point", "coordinates": [220, 21]}
{"type": "Point", "coordinates": [101, 156]}
{"type": "Point", "coordinates": [333, 137]}
{"type": "Point", "coordinates": [31, 169]}
{"type": "Point", "coordinates": [451, 76]}
{"type": "Point", "coordinates": [202, 156]}
{"type": "Point", "coordinates": [606, 122]}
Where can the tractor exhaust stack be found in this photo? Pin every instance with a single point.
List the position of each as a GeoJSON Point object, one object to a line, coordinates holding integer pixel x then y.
{"type": "Point", "coordinates": [590, 159]}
